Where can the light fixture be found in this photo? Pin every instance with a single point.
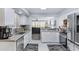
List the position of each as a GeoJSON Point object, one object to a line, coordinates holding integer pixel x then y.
{"type": "Point", "coordinates": [43, 8]}
{"type": "Point", "coordinates": [18, 11]}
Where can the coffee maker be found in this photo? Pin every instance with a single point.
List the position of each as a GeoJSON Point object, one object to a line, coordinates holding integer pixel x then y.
{"type": "Point", "coordinates": [4, 32]}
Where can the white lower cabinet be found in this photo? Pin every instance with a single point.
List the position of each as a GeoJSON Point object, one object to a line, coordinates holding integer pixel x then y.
{"type": "Point", "coordinates": [7, 46]}
{"type": "Point", "coordinates": [50, 37]}
{"type": "Point", "coordinates": [27, 39]}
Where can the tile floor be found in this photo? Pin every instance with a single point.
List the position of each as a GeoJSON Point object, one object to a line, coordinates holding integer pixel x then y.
{"type": "Point", "coordinates": [56, 48]}
{"type": "Point", "coordinates": [36, 45]}
{"type": "Point", "coordinates": [43, 46]}
{"type": "Point", "coordinates": [31, 47]}
{"type": "Point", "coordinates": [48, 46]}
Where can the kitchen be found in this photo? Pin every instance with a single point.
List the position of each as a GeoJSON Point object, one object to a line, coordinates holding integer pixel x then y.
{"type": "Point", "coordinates": [37, 29]}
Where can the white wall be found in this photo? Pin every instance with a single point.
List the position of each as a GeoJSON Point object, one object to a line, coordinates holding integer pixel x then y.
{"type": "Point", "coordinates": [64, 15]}
{"type": "Point", "coordinates": [60, 20]}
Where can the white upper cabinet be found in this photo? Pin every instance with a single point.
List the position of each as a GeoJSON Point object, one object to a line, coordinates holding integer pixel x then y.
{"type": "Point", "coordinates": [23, 20]}
{"type": "Point", "coordinates": [2, 18]}
{"type": "Point", "coordinates": [9, 16]}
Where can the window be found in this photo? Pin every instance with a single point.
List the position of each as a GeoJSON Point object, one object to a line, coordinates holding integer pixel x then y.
{"type": "Point", "coordinates": [39, 23]}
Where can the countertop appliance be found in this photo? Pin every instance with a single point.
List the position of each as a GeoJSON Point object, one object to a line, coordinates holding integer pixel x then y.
{"type": "Point", "coordinates": [4, 32]}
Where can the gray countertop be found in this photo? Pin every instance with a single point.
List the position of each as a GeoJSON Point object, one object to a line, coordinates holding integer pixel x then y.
{"type": "Point", "coordinates": [63, 34]}
{"type": "Point", "coordinates": [13, 38]}
{"type": "Point", "coordinates": [49, 30]}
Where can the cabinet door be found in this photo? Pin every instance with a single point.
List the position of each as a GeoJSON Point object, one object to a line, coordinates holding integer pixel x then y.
{"type": "Point", "coordinates": [30, 36]}
{"type": "Point", "coordinates": [9, 16]}
{"type": "Point", "coordinates": [54, 37]}
{"type": "Point", "coordinates": [45, 36]}
{"type": "Point", "coordinates": [20, 44]}
{"type": "Point", "coordinates": [7, 46]}
{"type": "Point", "coordinates": [50, 37]}
{"type": "Point", "coordinates": [25, 40]}
{"type": "Point", "coordinates": [24, 20]}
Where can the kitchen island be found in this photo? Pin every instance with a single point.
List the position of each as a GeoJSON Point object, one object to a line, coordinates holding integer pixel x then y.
{"type": "Point", "coordinates": [14, 42]}
{"type": "Point", "coordinates": [50, 35]}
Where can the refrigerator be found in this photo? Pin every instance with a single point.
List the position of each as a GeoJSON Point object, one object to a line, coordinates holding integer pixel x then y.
{"type": "Point", "coordinates": [73, 27]}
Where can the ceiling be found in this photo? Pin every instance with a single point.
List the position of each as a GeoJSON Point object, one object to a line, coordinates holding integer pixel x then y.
{"type": "Point", "coordinates": [47, 11]}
